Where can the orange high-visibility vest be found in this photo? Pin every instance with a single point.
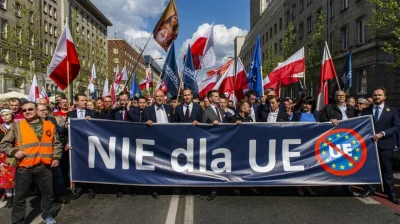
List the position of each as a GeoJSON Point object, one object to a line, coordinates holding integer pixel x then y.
{"type": "Point", "coordinates": [36, 151]}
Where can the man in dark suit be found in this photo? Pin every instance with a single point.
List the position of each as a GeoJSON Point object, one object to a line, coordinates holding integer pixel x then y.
{"type": "Point", "coordinates": [254, 108]}
{"type": "Point", "coordinates": [213, 114]}
{"type": "Point", "coordinates": [158, 112]}
{"type": "Point", "coordinates": [339, 110]}
{"type": "Point", "coordinates": [276, 113]}
{"type": "Point", "coordinates": [188, 112]}
{"type": "Point", "coordinates": [123, 111]}
{"type": "Point", "coordinates": [387, 124]}
{"type": "Point", "coordinates": [142, 103]}
{"type": "Point", "coordinates": [80, 112]}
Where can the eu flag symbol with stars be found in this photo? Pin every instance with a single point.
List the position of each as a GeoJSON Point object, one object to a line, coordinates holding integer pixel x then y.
{"type": "Point", "coordinates": [255, 78]}
{"type": "Point", "coordinates": [134, 90]}
{"type": "Point", "coordinates": [189, 74]}
{"type": "Point", "coordinates": [170, 75]}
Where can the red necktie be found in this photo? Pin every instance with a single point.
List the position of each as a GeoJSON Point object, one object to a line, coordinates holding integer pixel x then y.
{"type": "Point", "coordinates": [125, 114]}
{"type": "Point", "coordinates": [218, 114]}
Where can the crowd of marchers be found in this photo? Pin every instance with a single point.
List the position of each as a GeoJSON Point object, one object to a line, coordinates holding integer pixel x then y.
{"type": "Point", "coordinates": [34, 146]}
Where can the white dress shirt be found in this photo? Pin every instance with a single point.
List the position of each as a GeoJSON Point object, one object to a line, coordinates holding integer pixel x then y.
{"type": "Point", "coordinates": [161, 115]}
{"type": "Point", "coordinates": [343, 110]}
{"type": "Point", "coordinates": [252, 113]}
{"type": "Point", "coordinates": [80, 114]}
{"type": "Point", "coordinates": [272, 116]}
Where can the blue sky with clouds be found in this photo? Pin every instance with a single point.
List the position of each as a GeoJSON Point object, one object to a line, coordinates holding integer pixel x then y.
{"type": "Point", "coordinates": [135, 20]}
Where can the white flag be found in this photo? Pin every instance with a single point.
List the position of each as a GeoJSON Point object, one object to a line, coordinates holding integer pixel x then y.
{"type": "Point", "coordinates": [105, 88]}
{"type": "Point", "coordinates": [91, 79]}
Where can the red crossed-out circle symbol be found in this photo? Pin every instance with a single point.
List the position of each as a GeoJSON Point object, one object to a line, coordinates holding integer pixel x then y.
{"type": "Point", "coordinates": [346, 165]}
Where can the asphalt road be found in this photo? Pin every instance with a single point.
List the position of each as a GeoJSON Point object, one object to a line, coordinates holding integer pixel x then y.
{"type": "Point", "coordinates": [275, 205]}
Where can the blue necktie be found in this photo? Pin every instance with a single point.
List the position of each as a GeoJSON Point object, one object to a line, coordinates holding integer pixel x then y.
{"type": "Point", "coordinates": [376, 117]}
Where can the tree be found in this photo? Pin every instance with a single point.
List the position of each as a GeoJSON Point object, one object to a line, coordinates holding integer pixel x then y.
{"type": "Point", "coordinates": [385, 22]}
{"type": "Point", "coordinates": [271, 61]}
{"type": "Point", "coordinates": [289, 41]}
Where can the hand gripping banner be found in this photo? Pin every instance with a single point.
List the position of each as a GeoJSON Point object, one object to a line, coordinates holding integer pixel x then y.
{"type": "Point", "coordinates": [256, 154]}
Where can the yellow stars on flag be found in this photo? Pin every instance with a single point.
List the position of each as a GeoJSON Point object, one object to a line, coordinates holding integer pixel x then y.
{"type": "Point", "coordinates": [325, 144]}
{"type": "Point", "coordinates": [327, 161]}
{"type": "Point", "coordinates": [333, 165]}
{"type": "Point", "coordinates": [355, 158]}
{"type": "Point", "coordinates": [354, 142]}
{"type": "Point", "coordinates": [357, 149]}
{"type": "Point", "coordinates": [350, 164]}
{"type": "Point", "coordinates": [329, 139]}
{"type": "Point", "coordinates": [338, 136]}
{"type": "Point", "coordinates": [341, 167]}
{"type": "Point", "coordinates": [346, 137]}
{"type": "Point", "coordinates": [323, 152]}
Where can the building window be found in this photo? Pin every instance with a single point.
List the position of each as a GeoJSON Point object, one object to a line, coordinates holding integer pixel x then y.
{"type": "Point", "coordinates": [331, 9]}
{"type": "Point", "coordinates": [301, 6]}
{"type": "Point", "coordinates": [287, 18]}
{"type": "Point", "coordinates": [294, 11]}
{"type": "Point", "coordinates": [309, 2]}
{"type": "Point", "coordinates": [345, 4]}
{"type": "Point", "coordinates": [309, 24]}
{"type": "Point", "coordinates": [361, 75]}
{"type": "Point", "coordinates": [280, 45]}
{"type": "Point", "coordinates": [276, 48]}
{"type": "Point", "coordinates": [45, 7]}
{"type": "Point", "coordinates": [3, 28]}
{"type": "Point", "coordinates": [18, 10]}
{"type": "Point", "coordinates": [270, 33]}
{"type": "Point", "coordinates": [19, 35]}
{"type": "Point", "coordinates": [331, 40]}
{"type": "Point", "coordinates": [3, 4]}
{"type": "Point", "coordinates": [361, 31]}
{"type": "Point", "coordinates": [46, 27]}
{"type": "Point", "coordinates": [55, 14]}
{"type": "Point", "coordinates": [77, 27]}
{"type": "Point", "coordinates": [32, 40]}
{"type": "Point", "coordinates": [301, 30]}
{"type": "Point", "coordinates": [275, 29]}
{"type": "Point", "coordinates": [50, 29]}
{"type": "Point", "coordinates": [46, 47]}
{"type": "Point", "coordinates": [345, 37]}
{"type": "Point", "coordinates": [55, 32]}
{"type": "Point", "coordinates": [83, 31]}
{"type": "Point", "coordinates": [266, 37]}
{"type": "Point", "coordinates": [116, 51]}
{"type": "Point", "coordinates": [88, 34]}
{"type": "Point", "coordinates": [280, 24]}
{"type": "Point", "coordinates": [50, 11]}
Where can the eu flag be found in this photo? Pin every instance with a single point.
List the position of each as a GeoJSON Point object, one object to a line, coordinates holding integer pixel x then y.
{"type": "Point", "coordinates": [345, 77]}
{"type": "Point", "coordinates": [170, 75]}
{"type": "Point", "coordinates": [189, 74]}
{"type": "Point", "coordinates": [134, 90]}
{"type": "Point", "coordinates": [255, 75]}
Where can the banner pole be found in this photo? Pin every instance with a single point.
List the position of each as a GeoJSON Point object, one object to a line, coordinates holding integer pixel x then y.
{"type": "Point", "coordinates": [69, 89]}
{"type": "Point", "coordinates": [337, 81]}
{"type": "Point", "coordinates": [137, 61]}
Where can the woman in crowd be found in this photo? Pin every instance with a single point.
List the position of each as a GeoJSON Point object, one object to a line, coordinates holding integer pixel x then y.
{"type": "Point", "coordinates": [307, 114]}
{"type": "Point", "coordinates": [7, 165]}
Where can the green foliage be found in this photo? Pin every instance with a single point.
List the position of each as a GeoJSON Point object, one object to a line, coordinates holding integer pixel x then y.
{"type": "Point", "coordinates": [316, 42]}
{"type": "Point", "coordinates": [289, 41]}
{"type": "Point", "coordinates": [271, 61]}
{"type": "Point", "coordinates": [385, 22]}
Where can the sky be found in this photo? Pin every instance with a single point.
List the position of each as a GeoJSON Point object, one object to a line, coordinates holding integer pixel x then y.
{"type": "Point", "coordinates": [134, 20]}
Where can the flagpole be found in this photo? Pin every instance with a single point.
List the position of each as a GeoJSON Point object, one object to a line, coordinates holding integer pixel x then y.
{"type": "Point", "coordinates": [337, 81]}
{"type": "Point", "coordinates": [180, 84]}
{"type": "Point", "coordinates": [137, 61]}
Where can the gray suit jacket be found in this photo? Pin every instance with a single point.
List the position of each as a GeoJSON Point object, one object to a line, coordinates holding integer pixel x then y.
{"type": "Point", "coordinates": [210, 116]}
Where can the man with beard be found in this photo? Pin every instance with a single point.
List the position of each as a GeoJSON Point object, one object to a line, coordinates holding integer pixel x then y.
{"type": "Point", "coordinates": [99, 103]}
{"type": "Point", "coordinates": [106, 108]}
{"type": "Point", "coordinates": [243, 115]}
{"type": "Point", "coordinates": [120, 110]}
{"type": "Point", "coordinates": [387, 124]}
{"type": "Point", "coordinates": [63, 108]}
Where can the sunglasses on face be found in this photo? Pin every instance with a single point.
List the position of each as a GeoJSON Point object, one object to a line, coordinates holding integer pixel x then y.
{"type": "Point", "coordinates": [29, 109]}
{"type": "Point", "coordinates": [360, 103]}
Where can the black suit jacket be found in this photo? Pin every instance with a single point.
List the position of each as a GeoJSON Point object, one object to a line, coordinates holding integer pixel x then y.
{"type": "Point", "coordinates": [149, 113]}
{"type": "Point", "coordinates": [195, 115]}
{"type": "Point", "coordinates": [388, 122]}
{"type": "Point", "coordinates": [283, 116]}
{"type": "Point", "coordinates": [263, 110]}
{"type": "Point", "coordinates": [256, 108]}
{"type": "Point", "coordinates": [74, 114]}
{"type": "Point", "coordinates": [332, 111]}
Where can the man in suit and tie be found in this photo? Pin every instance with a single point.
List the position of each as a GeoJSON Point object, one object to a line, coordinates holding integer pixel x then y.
{"type": "Point", "coordinates": [142, 103]}
{"type": "Point", "coordinates": [213, 114]}
{"type": "Point", "coordinates": [158, 112]}
{"type": "Point", "coordinates": [254, 108]}
{"type": "Point", "coordinates": [80, 112]}
{"type": "Point", "coordinates": [387, 124]}
{"type": "Point", "coordinates": [123, 111]}
{"type": "Point", "coordinates": [188, 112]}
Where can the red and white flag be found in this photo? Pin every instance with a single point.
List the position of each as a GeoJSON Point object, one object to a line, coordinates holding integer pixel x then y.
{"type": "Point", "coordinates": [203, 53]}
{"type": "Point", "coordinates": [65, 54]}
{"type": "Point", "coordinates": [124, 74]}
{"type": "Point", "coordinates": [44, 94]}
{"type": "Point", "coordinates": [149, 80]}
{"type": "Point", "coordinates": [287, 72]}
{"type": "Point", "coordinates": [91, 79]}
{"type": "Point", "coordinates": [221, 70]}
{"type": "Point", "coordinates": [327, 72]}
{"type": "Point", "coordinates": [142, 84]}
{"type": "Point", "coordinates": [34, 90]}
{"type": "Point", "coordinates": [113, 95]}
{"type": "Point", "coordinates": [206, 85]}
{"type": "Point", "coordinates": [241, 84]}
{"type": "Point", "coordinates": [226, 84]}
{"type": "Point", "coordinates": [117, 80]}
{"type": "Point", "coordinates": [105, 89]}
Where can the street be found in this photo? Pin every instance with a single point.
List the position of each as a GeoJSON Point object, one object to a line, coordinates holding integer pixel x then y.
{"type": "Point", "coordinates": [277, 205]}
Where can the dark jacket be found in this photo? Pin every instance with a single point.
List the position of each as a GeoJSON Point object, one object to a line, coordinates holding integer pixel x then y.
{"type": "Point", "coordinates": [149, 113]}
{"type": "Point", "coordinates": [263, 110]}
{"type": "Point", "coordinates": [209, 116]}
{"type": "Point", "coordinates": [194, 115]}
{"type": "Point", "coordinates": [131, 115]}
{"type": "Point", "coordinates": [238, 117]}
{"type": "Point", "coordinates": [332, 111]}
{"type": "Point", "coordinates": [297, 116]}
{"type": "Point", "coordinates": [389, 122]}
{"type": "Point", "coordinates": [59, 129]}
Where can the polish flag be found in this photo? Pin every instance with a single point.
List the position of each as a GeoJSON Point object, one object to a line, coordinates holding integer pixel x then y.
{"type": "Point", "coordinates": [226, 84]}
{"type": "Point", "coordinates": [105, 89]}
{"type": "Point", "coordinates": [149, 80]}
{"type": "Point", "coordinates": [34, 90]}
{"type": "Point", "coordinates": [203, 53]}
{"type": "Point", "coordinates": [91, 79]}
{"type": "Point", "coordinates": [65, 54]}
{"type": "Point", "coordinates": [117, 80]}
{"type": "Point", "coordinates": [287, 72]}
{"type": "Point", "coordinates": [44, 94]}
{"type": "Point", "coordinates": [206, 85]}
{"type": "Point", "coordinates": [112, 94]}
{"type": "Point", "coordinates": [142, 84]}
{"type": "Point", "coordinates": [221, 70]}
{"type": "Point", "coordinates": [241, 84]}
{"type": "Point", "coordinates": [327, 72]}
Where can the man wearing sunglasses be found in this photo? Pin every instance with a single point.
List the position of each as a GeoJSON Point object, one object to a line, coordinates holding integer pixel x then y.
{"type": "Point", "coordinates": [361, 105]}
{"type": "Point", "coordinates": [34, 143]}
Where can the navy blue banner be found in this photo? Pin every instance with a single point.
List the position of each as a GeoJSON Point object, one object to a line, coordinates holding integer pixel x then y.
{"type": "Point", "coordinates": [256, 154]}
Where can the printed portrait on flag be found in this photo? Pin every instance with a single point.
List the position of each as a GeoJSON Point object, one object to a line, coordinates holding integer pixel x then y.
{"type": "Point", "coordinates": [166, 29]}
